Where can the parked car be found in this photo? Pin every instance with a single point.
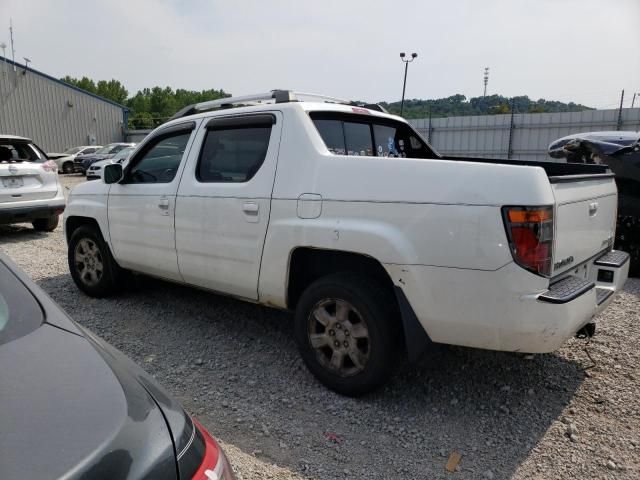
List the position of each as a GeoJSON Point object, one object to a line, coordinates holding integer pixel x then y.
{"type": "Point", "coordinates": [95, 170]}
{"type": "Point", "coordinates": [65, 160]}
{"type": "Point", "coordinates": [30, 190]}
{"type": "Point", "coordinates": [82, 163]}
{"type": "Point", "coordinates": [620, 151]}
{"type": "Point", "coordinates": [345, 215]}
{"type": "Point", "coordinates": [75, 407]}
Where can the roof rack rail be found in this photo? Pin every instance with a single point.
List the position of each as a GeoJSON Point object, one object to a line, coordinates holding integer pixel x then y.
{"type": "Point", "coordinates": [275, 96]}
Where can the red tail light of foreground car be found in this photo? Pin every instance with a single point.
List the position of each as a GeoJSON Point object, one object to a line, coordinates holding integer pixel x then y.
{"type": "Point", "coordinates": [215, 465]}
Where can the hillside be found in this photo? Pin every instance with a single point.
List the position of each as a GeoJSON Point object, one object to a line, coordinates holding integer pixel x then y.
{"type": "Point", "coordinates": [459, 105]}
{"type": "Point", "coordinates": [152, 106]}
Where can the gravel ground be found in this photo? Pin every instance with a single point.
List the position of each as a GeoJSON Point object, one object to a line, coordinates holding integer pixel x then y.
{"type": "Point", "coordinates": [235, 366]}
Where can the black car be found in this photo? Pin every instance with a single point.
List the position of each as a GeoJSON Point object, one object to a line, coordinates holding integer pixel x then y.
{"type": "Point", "coordinates": [82, 162]}
{"type": "Point", "coordinates": [72, 406]}
{"type": "Point", "coordinates": [620, 151]}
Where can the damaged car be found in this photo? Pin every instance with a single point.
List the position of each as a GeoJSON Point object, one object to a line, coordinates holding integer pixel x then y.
{"type": "Point", "coordinates": [620, 151]}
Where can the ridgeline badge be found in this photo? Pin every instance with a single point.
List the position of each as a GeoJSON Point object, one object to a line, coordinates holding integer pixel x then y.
{"type": "Point", "coordinates": [563, 263]}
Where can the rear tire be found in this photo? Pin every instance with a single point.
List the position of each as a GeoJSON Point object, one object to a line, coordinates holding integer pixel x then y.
{"type": "Point", "coordinates": [46, 224]}
{"type": "Point", "coordinates": [67, 168]}
{"type": "Point", "coordinates": [92, 267]}
{"type": "Point", "coordinates": [347, 330]}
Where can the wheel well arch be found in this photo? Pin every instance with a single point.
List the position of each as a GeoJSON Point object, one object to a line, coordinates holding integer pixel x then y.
{"type": "Point", "coordinates": [307, 264]}
{"type": "Point", "coordinates": [75, 222]}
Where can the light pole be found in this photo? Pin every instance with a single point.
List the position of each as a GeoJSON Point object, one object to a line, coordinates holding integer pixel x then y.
{"type": "Point", "coordinates": [633, 100]}
{"type": "Point", "coordinates": [406, 61]}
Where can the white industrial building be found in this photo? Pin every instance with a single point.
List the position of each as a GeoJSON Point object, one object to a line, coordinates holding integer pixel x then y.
{"type": "Point", "coordinates": [54, 114]}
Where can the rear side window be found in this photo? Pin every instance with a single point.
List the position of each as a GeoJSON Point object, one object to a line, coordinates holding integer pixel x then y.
{"type": "Point", "coordinates": [233, 154]}
{"type": "Point", "coordinates": [351, 134]}
{"type": "Point", "coordinates": [358, 138]}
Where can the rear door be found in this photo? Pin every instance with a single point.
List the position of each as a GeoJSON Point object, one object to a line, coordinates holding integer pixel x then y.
{"type": "Point", "coordinates": [585, 220]}
{"type": "Point", "coordinates": [141, 207]}
{"type": "Point", "coordinates": [224, 201]}
{"type": "Point", "coordinates": [22, 175]}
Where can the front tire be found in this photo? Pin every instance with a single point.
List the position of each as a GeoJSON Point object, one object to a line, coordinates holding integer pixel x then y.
{"type": "Point", "coordinates": [91, 265]}
{"type": "Point", "coordinates": [46, 224]}
{"type": "Point", "coordinates": [348, 330]}
{"type": "Point", "coordinates": [67, 168]}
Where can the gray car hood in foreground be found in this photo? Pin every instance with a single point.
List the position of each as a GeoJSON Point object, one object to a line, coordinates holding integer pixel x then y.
{"type": "Point", "coordinates": [72, 406]}
{"type": "Point", "coordinates": [64, 413]}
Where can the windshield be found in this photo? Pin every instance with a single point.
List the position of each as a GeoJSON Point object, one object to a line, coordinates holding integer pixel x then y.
{"type": "Point", "coordinates": [73, 150]}
{"type": "Point", "coordinates": [103, 150]}
{"type": "Point", "coordinates": [20, 313]}
{"type": "Point", "coordinates": [123, 154]}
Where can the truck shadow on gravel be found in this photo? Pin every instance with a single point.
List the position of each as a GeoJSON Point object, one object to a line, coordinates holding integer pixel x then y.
{"type": "Point", "coordinates": [235, 366]}
{"type": "Point", "coordinates": [20, 233]}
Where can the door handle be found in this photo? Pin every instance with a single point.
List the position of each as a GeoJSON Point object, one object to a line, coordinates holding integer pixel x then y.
{"type": "Point", "coordinates": [163, 204]}
{"type": "Point", "coordinates": [251, 212]}
{"type": "Point", "coordinates": [251, 208]}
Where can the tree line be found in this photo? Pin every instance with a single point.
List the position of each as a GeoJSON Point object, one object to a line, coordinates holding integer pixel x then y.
{"type": "Point", "coordinates": [458, 105]}
{"type": "Point", "coordinates": [151, 107]}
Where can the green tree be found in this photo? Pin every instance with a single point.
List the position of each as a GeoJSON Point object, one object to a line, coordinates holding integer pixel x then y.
{"type": "Point", "coordinates": [141, 120]}
{"type": "Point", "coordinates": [113, 90]}
{"type": "Point", "coordinates": [458, 105]}
{"type": "Point", "coordinates": [85, 83]}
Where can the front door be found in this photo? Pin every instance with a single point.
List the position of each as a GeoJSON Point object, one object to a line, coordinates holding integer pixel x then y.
{"type": "Point", "coordinates": [224, 201]}
{"type": "Point", "coordinates": [141, 207]}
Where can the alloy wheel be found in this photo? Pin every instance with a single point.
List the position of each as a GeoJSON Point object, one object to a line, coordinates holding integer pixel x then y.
{"type": "Point", "coordinates": [88, 261]}
{"type": "Point", "coordinates": [339, 336]}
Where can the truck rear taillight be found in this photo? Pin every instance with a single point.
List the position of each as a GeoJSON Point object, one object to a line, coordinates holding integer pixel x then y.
{"type": "Point", "coordinates": [530, 234]}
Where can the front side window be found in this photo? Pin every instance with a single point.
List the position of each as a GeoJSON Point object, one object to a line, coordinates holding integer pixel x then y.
{"type": "Point", "coordinates": [159, 160]}
{"type": "Point", "coordinates": [233, 155]}
{"type": "Point", "coordinates": [87, 151]}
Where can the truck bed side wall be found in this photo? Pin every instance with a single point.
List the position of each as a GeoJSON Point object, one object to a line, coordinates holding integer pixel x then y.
{"type": "Point", "coordinates": [398, 211]}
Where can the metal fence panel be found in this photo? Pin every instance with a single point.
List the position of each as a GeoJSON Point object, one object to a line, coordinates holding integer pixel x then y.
{"type": "Point", "coordinates": [531, 133]}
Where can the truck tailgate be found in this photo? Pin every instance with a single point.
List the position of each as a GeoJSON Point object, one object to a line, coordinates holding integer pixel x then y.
{"type": "Point", "coordinates": [585, 220]}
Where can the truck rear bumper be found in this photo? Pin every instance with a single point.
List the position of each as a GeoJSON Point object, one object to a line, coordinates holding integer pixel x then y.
{"type": "Point", "coordinates": [509, 309]}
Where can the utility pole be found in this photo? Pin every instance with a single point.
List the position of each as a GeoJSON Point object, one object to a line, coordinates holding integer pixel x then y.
{"type": "Point", "coordinates": [406, 66]}
{"type": "Point", "coordinates": [512, 127]}
{"type": "Point", "coordinates": [3, 46]}
{"type": "Point", "coordinates": [486, 80]}
{"type": "Point", "coordinates": [619, 126]}
{"type": "Point", "coordinates": [633, 99]}
{"type": "Point", "coordinates": [13, 50]}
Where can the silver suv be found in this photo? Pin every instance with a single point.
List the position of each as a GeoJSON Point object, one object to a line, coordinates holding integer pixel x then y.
{"type": "Point", "coordinates": [29, 187]}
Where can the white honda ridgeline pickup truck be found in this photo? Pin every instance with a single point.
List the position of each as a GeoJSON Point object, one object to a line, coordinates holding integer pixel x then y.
{"type": "Point", "coordinates": [345, 215]}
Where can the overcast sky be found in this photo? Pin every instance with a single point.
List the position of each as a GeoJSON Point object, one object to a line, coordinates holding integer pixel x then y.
{"type": "Point", "coordinates": [580, 50]}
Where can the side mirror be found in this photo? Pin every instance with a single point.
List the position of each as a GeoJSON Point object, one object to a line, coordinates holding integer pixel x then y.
{"type": "Point", "coordinates": [112, 173]}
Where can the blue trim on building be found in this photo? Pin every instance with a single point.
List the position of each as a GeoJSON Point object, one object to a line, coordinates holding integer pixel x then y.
{"type": "Point", "coordinates": [72, 87]}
